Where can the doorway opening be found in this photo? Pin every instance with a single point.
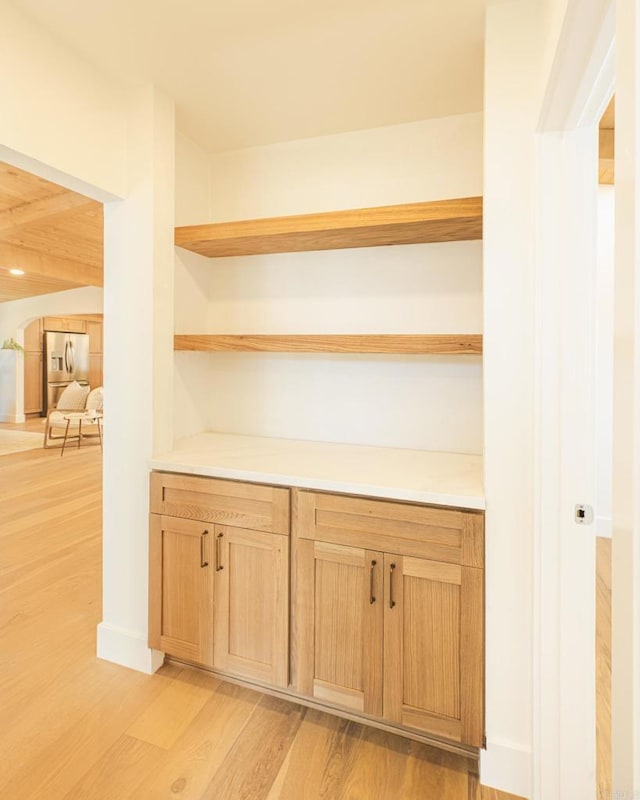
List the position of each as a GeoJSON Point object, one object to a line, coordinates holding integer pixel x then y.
{"type": "Point", "coordinates": [52, 256]}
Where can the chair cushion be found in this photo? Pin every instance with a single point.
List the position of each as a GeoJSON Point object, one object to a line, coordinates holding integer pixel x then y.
{"type": "Point", "coordinates": [73, 397]}
{"type": "Point", "coordinates": [95, 399]}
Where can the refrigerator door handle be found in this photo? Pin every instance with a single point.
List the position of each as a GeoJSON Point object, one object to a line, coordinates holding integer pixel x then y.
{"type": "Point", "coordinates": [72, 365]}
{"type": "Point", "coordinates": [66, 356]}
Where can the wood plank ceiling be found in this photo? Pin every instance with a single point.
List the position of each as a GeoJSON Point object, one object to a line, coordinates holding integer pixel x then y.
{"type": "Point", "coordinates": [51, 233]}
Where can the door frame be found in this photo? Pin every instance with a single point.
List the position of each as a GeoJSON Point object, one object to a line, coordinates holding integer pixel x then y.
{"type": "Point", "coordinates": [625, 703]}
{"type": "Point", "coordinates": [579, 88]}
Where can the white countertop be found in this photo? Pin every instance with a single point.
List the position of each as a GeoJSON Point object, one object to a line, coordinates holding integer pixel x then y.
{"type": "Point", "coordinates": [447, 479]}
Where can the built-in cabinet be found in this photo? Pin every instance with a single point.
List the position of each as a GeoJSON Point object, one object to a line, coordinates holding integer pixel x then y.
{"type": "Point", "coordinates": [219, 575]}
{"type": "Point", "coordinates": [385, 599]}
{"type": "Point", "coordinates": [94, 329]}
{"type": "Point", "coordinates": [33, 378]}
{"type": "Point", "coordinates": [393, 637]}
{"type": "Point", "coordinates": [33, 368]}
{"type": "Point", "coordinates": [389, 609]}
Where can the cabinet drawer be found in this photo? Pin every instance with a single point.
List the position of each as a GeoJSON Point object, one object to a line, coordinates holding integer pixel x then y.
{"type": "Point", "coordinates": [439, 534]}
{"type": "Point", "coordinates": [242, 505]}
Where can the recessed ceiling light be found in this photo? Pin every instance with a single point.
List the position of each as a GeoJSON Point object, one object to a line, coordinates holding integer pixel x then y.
{"type": "Point", "coordinates": [16, 271]}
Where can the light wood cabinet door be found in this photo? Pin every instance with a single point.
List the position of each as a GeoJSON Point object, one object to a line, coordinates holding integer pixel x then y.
{"type": "Point", "coordinates": [181, 577]}
{"type": "Point", "coordinates": [94, 329]}
{"type": "Point", "coordinates": [433, 648]}
{"type": "Point", "coordinates": [95, 370]}
{"type": "Point", "coordinates": [32, 382]}
{"type": "Point", "coordinates": [251, 637]}
{"type": "Point", "coordinates": [339, 619]}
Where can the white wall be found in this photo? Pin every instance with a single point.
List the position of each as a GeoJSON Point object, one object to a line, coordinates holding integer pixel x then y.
{"type": "Point", "coordinates": [427, 160]}
{"type": "Point", "coordinates": [59, 111]}
{"type": "Point", "coordinates": [513, 50]}
{"type": "Point", "coordinates": [422, 402]}
{"type": "Point", "coordinates": [15, 316]}
{"type": "Point", "coordinates": [192, 278]}
{"type": "Point", "coordinates": [193, 183]}
{"type": "Point", "coordinates": [138, 371]}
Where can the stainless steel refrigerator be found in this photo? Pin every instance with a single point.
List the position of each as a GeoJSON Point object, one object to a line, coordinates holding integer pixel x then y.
{"type": "Point", "coordinates": [66, 360]}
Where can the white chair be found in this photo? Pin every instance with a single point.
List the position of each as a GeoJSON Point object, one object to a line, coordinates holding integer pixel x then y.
{"type": "Point", "coordinates": [73, 399]}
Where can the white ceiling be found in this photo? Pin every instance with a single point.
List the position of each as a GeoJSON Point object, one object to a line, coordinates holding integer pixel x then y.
{"type": "Point", "coordinates": [249, 72]}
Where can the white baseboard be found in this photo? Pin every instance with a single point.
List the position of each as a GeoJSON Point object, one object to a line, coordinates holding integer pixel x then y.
{"type": "Point", "coordinates": [15, 418]}
{"type": "Point", "coordinates": [127, 649]}
{"type": "Point", "coordinates": [506, 767]}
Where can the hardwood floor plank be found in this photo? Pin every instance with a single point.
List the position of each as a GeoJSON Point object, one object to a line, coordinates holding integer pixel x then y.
{"type": "Point", "coordinates": [35, 664]}
{"type": "Point", "coordinates": [110, 778]}
{"type": "Point", "coordinates": [277, 787]}
{"type": "Point", "coordinates": [165, 720]}
{"type": "Point", "coordinates": [41, 503]}
{"type": "Point", "coordinates": [380, 762]}
{"type": "Point", "coordinates": [53, 592]}
{"type": "Point", "coordinates": [603, 668]}
{"type": "Point", "coordinates": [70, 738]}
{"type": "Point", "coordinates": [447, 776]}
{"type": "Point", "coordinates": [190, 766]}
{"type": "Point", "coordinates": [317, 758]}
{"type": "Point", "coordinates": [253, 763]}
{"type": "Point", "coordinates": [41, 562]}
{"type": "Point", "coordinates": [37, 515]}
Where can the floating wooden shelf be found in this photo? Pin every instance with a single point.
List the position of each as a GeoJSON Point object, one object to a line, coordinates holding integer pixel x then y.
{"type": "Point", "coordinates": [439, 221]}
{"type": "Point", "coordinates": [408, 344]}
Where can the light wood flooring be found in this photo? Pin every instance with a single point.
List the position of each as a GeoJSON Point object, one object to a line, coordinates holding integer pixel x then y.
{"type": "Point", "coordinates": [603, 668]}
{"type": "Point", "coordinates": [77, 728]}
{"type": "Point", "coordinates": [34, 424]}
